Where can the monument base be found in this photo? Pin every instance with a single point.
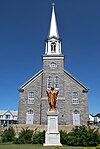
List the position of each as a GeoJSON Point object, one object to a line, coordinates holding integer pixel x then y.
{"type": "Point", "coordinates": [52, 136]}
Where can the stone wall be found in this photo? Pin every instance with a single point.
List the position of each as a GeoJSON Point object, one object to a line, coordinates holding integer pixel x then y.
{"type": "Point", "coordinates": [34, 86]}
{"type": "Point", "coordinates": [18, 127]}
{"type": "Point", "coordinates": [67, 85]}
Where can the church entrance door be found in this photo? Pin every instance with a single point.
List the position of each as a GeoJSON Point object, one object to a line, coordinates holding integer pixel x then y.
{"type": "Point", "coordinates": [76, 118]}
{"type": "Point", "coordinates": [29, 117]}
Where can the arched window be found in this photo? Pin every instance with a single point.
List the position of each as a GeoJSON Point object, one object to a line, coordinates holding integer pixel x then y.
{"type": "Point", "coordinates": [30, 111]}
{"type": "Point", "coordinates": [49, 82]}
{"type": "Point", "coordinates": [56, 82]}
{"type": "Point", "coordinates": [31, 98]}
{"type": "Point", "coordinates": [76, 112]}
{"type": "Point", "coordinates": [75, 98]}
{"type": "Point", "coordinates": [53, 47]}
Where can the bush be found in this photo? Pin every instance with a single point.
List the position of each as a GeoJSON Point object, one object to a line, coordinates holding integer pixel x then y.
{"type": "Point", "coordinates": [83, 136]}
{"type": "Point", "coordinates": [28, 136]}
{"type": "Point", "coordinates": [1, 136]}
{"type": "Point", "coordinates": [8, 135]}
{"type": "Point", "coordinates": [38, 137]}
{"type": "Point", "coordinates": [63, 137]}
{"type": "Point", "coordinates": [25, 136]}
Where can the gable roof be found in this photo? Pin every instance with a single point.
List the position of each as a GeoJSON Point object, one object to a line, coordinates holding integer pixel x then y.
{"type": "Point", "coordinates": [30, 80]}
{"type": "Point", "coordinates": [75, 80]}
{"type": "Point", "coordinates": [12, 112]}
{"type": "Point", "coordinates": [97, 115]}
{"type": "Point", "coordinates": [41, 72]}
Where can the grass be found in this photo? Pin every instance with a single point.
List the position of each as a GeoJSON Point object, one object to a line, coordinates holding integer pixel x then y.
{"type": "Point", "coordinates": [31, 146]}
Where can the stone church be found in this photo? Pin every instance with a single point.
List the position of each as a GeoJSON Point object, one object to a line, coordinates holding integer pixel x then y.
{"type": "Point", "coordinates": [72, 101]}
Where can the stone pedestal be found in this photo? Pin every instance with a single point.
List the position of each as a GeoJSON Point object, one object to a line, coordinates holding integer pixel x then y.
{"type": "Point", "coordinates": [52, 136]}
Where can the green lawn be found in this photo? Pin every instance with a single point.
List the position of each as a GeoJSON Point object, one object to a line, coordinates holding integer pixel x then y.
{"type": "Point", "coordinates": [26, 146]}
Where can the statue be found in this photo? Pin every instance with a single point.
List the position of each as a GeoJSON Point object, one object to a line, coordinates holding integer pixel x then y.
{"type": "Point", "coordinates": [52, 96]}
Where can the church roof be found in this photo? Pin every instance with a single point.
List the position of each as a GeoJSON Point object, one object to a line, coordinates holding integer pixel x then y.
{"type": "Point", "coordinates": [53, 32]}
{"type": "Point", "coordinates": [30, 80]}
{"type": "Point", "coordinates": [78, 82]}
{"type": "Point", "coordinates": [41, 72]}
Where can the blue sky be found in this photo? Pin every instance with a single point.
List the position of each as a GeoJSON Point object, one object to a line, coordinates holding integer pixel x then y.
{"type": "Point", "coordinates": [24, 25]}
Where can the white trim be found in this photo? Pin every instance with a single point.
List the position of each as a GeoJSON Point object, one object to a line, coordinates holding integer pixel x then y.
{"type": "Point", "coordinates": [53, 57]}
{"type": "Point", "coordinates": [29, 117]}
{"type": "Point", "coordinates": [31, 79]}
{"type": "Point", "coordinates": [75, 98]}
{"type": "Point", "coordinates": [58, 98]}
{"type": "Point", "coordinates": [30, 99]}
{"type": "Point", "coordinates": [74, 79]}
{"type": "Point", "coordinates": [76, 117]}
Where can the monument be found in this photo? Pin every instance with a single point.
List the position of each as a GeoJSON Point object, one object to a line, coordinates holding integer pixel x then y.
{"type": "Point", "coordinates": [52, 135]}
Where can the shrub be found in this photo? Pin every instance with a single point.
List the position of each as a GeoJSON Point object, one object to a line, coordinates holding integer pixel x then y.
{"type": "Point", "coordinates": [38, 137]}
{"type": "Point", "coordinates": [1, 136]}
{"type": "Point", "coordinates": [16, 141]}
{"type": "Point", "coordinates": [8, 135]}
{"type": "Point", "coordinates": [63, 137]}
{"type": "Point", "coordinates": [83, 136]}
{"type": "Point", "coordinates": [93, 137]}
{"type": "Point", "coordinates": [25, 136]}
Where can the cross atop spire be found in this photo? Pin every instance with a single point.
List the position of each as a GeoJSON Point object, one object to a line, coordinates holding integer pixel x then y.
{"type": "Point", "coordinates": [53, 25]}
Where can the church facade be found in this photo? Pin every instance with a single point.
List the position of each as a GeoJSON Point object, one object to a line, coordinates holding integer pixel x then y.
{"type": "Point", "coordinates": [72, 100]}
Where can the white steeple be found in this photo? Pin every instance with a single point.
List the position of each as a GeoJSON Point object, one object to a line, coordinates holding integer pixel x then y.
{"type": "Point", "coordinates": [53, 25]}
{"type": "Point", "coordinates": [53, 42]}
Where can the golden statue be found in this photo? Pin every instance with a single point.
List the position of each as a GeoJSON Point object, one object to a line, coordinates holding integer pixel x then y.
{"type": "Point", "coordinates": [52, 96]}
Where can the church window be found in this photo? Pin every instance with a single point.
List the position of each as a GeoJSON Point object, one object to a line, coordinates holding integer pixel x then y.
{"type": "Point", "coordinates": [75, 98]}
{"type": "Point", "coordinates": [49, 82]}
{"type": "Point", "coordinates": [53, 65]}
{"type": "Point", "coordinates": [31, 98]}
{"type": "Point", "coordinates": [53, 47]}
{"type": "Point", "coordinates": [56, 82]}
{"type": "Point", "coordinates": [30, 112]}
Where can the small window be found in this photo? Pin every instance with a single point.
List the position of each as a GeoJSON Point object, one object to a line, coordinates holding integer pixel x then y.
{"type": "Point", "coordinates": [53, 65]}
{"type": "Point", "coordinates": [76, 112]}
{"type": "Point", "coordinates": [49, 82]}
{"type": "Point", "coordinates": [1, 116]}
{"type": "Point", "coordinates": [7, 116]}
{"type": "Point", "coordinates": [30, 112]}
{"type": "Point", "coordinates": [53, 47]}
{"type": "Point", "coordinates": [75, 98]}
{"type": "Point", "coordinates": [56, 82]}
{"type": "Point", "coordinates": [31, 98]}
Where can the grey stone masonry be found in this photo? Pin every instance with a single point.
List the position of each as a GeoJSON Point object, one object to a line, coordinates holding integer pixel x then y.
{"type": "Point", "coordinates": [58, 60]}
{"type": "Point", "coordinates": [67, 85]}
{"type": "Point", "coordinates": [34, 86]}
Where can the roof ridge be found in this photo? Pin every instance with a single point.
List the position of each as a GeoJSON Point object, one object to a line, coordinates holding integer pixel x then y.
{"type": "Point", "coordinates": [39, 72]}
{"type": "Point", "coordinates": [86, 89]}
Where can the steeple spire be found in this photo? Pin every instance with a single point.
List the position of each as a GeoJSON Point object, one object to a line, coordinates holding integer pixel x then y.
{"type": "Point", "coordinates": [53, 25]}
{"type": "Point", "coordinates": [53, 42]}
